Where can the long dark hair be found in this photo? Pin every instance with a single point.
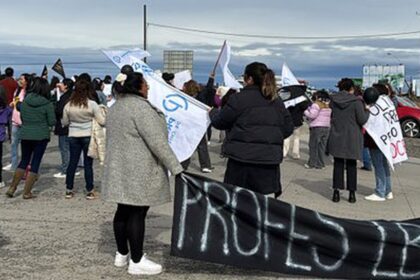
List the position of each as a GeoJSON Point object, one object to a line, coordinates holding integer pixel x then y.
{"type": "Point", "coordinates": [3, 99]}
{"type": "Point", "coordinates": [81, 93]}
{"type": "Point", "coordinates": [41, 87]}
{"type": "Point", "coordinates": [264, 78]}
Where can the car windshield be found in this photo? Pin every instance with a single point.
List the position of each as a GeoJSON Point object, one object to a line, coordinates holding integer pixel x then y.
{"type": "Point", "coordinates": [406, 102]}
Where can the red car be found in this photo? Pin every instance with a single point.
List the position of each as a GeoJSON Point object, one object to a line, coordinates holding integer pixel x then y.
{"type": "Point", "coordinates": [409, 115]}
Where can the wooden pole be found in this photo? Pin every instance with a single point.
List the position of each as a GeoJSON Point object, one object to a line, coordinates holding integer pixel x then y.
{"type": "Point", "coordinates": [145, 29]}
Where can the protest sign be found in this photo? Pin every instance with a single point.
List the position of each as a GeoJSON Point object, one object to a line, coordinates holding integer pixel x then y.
{"type": "Point", "coordinates": [225, 224]}
{"type": "Point", "coordinates": [187, 118]}
{"type": "Point", "coordinates": [181, 78]}
{"type": "Point", "coordinates": [384, 127]}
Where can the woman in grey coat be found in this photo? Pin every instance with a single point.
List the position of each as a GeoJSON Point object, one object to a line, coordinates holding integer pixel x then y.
{"type": "Point", "coordinates": [137, 161]}
{"type": "Point", "coordinates": [345, 143]}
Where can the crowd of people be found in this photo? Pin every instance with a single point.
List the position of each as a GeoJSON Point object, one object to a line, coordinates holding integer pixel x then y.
{"type": "Point", "coordinates": [256, 131]}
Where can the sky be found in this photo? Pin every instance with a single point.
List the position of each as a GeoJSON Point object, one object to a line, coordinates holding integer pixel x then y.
{"type": "Point", "coordinates": [38, 32]}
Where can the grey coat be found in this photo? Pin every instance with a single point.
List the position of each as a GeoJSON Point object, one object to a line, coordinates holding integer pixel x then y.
{"type": "Point", "coordinates": [347, 118]}
{"type": "Point", "coordinates": [137, 154]}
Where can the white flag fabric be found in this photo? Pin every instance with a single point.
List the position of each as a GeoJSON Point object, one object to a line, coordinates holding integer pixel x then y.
{"type": "Point", "coordinates": [385, 129]}
{"type": "Point", "coordinates": [123, 57]}
{"type": "Point", "coordinates": [287, 77]}
{"type": "Point", "coordinates": [187, 119]}
{"type": "Point", "coordinates": [224, 60]}
{"type": "Point", "coordinates": [181, 78]}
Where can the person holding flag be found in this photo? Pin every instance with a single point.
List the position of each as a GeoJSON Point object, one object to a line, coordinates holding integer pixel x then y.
{"type": "Point", "coordinates": [257, 123]}
{"type": "Point", "coordinates": [136, 178]}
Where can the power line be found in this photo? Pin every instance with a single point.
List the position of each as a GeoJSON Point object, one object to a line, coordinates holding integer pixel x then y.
{"type": "Point", "coordinates": [284, 36]}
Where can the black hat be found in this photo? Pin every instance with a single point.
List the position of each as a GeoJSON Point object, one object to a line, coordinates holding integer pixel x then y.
{"type": "Point", "coordinates": [168, 76]}
{"type": "Point", "coordinates": [371, 95]}
{"type": "Point", "coordinates": [127, 69]}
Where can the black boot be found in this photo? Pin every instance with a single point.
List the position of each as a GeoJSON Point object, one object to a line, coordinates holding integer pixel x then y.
{"type": "Point", "coordinates": [352, 197]}
{"type": "Point", "coordinates": [336, 196]}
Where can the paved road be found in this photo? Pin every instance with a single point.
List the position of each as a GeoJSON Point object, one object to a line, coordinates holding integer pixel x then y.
{"type": "Point", "coordinates": [54, 238]}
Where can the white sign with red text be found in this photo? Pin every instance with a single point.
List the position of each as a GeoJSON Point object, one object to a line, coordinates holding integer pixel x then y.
{"type": "Point", "coordinates": [385, 129]}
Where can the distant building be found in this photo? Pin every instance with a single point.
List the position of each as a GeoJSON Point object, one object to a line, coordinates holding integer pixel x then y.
{"type": "Point", "coordinates": [176, 61]}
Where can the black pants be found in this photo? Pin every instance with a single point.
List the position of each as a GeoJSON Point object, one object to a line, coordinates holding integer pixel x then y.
{"type": "Point", "coordinates": [129, 226]}
{"type": "Point", "coordinates": [338, 174]}
{"type": "Point", "coordinates": [32, 152]}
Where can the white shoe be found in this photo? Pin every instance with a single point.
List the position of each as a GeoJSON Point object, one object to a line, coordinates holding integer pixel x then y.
{"type": "Point", "coordinates": [144, 267]}
{"type": "Point", "coordinates": [307, 166]}
{"type": "Point", "coordinates": [374, 197]}
{"type": "Point", "coordinates": [389, 196]}
{"type": "Point", "coordinates": [77, 173]}
{"type": "Point", "coordinates": [208, 143]}
{"type": "Point", "coordinates": [206, 170]}
{"type": "Point", "coordinates": [59, 175]}
{"type": "Point", "coordinates": [2, 185]}
{"type": "Point", "coordinates": [120, 260]}
{"type": "Point", "coordinates": [8, 167]}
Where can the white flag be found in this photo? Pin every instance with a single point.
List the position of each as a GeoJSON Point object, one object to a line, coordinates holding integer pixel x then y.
{"type": "Point", "coordinates": [181, 78]}
{"type": "Point", "coordinates": [224, 60]}
{"type": "Point", "coordinates": [287, 77]}
{"type": "Point", "coordinates": [187, 118]}
{"type": "Point", "coordinates": [123, 57]}
{"type": "Point", "coordinates": [385, 129]}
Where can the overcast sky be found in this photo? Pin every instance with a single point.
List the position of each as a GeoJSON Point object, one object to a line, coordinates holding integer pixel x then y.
{"type": "Point", "coordinates": [78, 29]}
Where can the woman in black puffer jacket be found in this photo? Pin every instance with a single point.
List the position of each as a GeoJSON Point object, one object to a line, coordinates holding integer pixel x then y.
{"type": "Point", "coordinates": [258, 123]}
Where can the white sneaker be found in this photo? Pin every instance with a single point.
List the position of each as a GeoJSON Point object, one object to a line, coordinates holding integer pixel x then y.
{"type": "Point", "coordinates": [389, 196]}
{"type": "Point", "coordinates": [120, 260]}
{"type": "Point", "coordinates": [2, 185]}
{"type": "Point", "coordinates": [144, 267]}
{"type": "Point", "coordinates": [77, 173]}
{"type": "Point", "coordinates": [307, 166]}
{"type": "Point", "coordinates": [374, 197]}
{"type": "Point", "coordinates": [8, 167]}
{"type": "Point", "coordinates": [206, 170]}
{"type": "Point", "coordinates": [59, 175]}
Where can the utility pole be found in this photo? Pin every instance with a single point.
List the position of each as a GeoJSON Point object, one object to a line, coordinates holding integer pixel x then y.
{"type": "Point", "coordinates": [145, 29]}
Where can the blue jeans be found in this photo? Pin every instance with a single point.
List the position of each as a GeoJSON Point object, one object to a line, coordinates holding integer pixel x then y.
{"type": "Point", "coordinates": [15, 146]}
{"type": "Point", "coordinates": [77, 146]}
{"type": "Point", "coordinates": [382, 173]}
{"type": "Point", "coordinates": [63, 144]}
{"type": "Point", "coordinates": [32, 152]}
{"type": "Point", "coordinates": [367, 162]}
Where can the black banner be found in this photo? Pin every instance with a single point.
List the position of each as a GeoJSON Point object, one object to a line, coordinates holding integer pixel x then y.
{"type": "Point", "coordinates": [44, 73]}
{"type": "Point", "coordinates": [59, 68]}
{"type": "Point", "coordinates": [225, 224]}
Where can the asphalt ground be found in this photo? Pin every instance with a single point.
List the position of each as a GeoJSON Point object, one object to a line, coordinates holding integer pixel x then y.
{"type": "Point", "coordinates": [53, 238]}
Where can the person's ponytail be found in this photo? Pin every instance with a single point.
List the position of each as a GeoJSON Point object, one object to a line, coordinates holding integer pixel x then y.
{"type": "Point", "coordinates": [269, 87]}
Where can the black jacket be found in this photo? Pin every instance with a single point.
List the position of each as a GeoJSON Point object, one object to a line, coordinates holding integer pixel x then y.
{"type": "Point", "coordinates": [59, 108]}
{"type": "Point", "coordinates": [347, 118]}
{"type": "Point", "coordinates": [206, 95]}
{"type": "Point", "coordinates": [256, 127]}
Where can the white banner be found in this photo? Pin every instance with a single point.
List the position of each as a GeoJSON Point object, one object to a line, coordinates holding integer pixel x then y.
{"type": "Point", "coordinates": [181, 78]}
{"type": "Point", "coordinates": [224, 60]}
{"type": "Point", "coordinates": [187, 119]}
{"type": "Point", "coordinates": [123, 57]}
{"type": "Point", "coordinates": [287, 77]}
{"type": "Point", "coordinates": [385, 129]}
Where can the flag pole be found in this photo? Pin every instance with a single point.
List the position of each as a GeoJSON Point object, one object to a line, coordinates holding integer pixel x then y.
{"type": "Point", "coordinates": [218, 58]}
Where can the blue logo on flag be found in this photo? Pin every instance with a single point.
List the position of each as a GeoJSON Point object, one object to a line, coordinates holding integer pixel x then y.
{"type": "Point", "coordinates": [175, 101]}
{"type": "Point", "coordinates": [117, 59]}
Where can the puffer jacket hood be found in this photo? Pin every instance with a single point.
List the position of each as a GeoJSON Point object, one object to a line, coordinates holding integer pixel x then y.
{"type": "Point", "coordinates": [36, 100]}
{"type": "Point", "coordinates": [343, 99]}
